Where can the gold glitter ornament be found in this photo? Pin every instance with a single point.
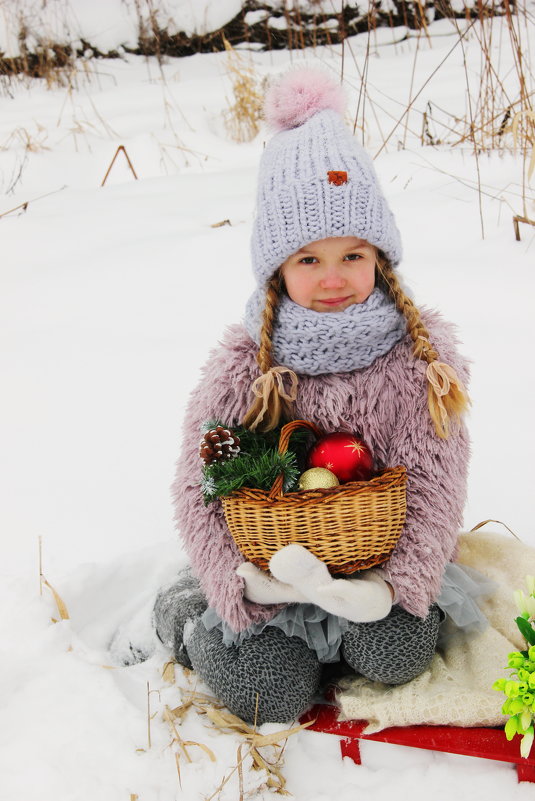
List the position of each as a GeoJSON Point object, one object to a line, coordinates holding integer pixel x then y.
{"type": "Point", "coordinates": [317, 478]}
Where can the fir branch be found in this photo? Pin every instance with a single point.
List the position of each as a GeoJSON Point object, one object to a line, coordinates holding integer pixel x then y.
{"type": "Point", "coordinates": [257, 465]}
{"type": "Point", "coordinates": [249, 470]}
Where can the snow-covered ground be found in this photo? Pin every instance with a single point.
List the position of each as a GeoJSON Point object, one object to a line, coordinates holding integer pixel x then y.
{"type": "Point", "coordinates": [110, 300]}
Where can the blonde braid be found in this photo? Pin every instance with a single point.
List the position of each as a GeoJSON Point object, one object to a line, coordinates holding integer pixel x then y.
{"type": "Point", "coordinates": [272, 401]}
{"type": "Point", "coordinates": [446, 396]}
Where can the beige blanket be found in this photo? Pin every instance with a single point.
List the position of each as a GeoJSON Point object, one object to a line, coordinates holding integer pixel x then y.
{"type": "Point", "coordinates": [456, 689]}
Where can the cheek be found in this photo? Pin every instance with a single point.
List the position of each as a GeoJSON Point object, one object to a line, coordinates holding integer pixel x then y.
{"type": "Point", "coordinates": [364, 284]}
{"type": "Point", "coordinates": [299, 286]}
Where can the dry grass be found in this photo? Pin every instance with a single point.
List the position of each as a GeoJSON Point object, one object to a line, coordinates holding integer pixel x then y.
{"type": "Point", "coordinates": [494, 93]}
{"type": "Point", "coordinates": [62, 608]}
{"type": "Point", "coordinates": [255, 751]}
{"type": "Point", "coordinates": [524, 132]}
{"type": "Point", "coordinates": [31, 141]}
{"type": "Point", "coordinates": [56, 64]}
{"type": "Point", "coordinates": [243, 115]}
{"type": "Point", "coordinates": [498, 98]}
{"type": "Point", "coordinates": [120, 149]}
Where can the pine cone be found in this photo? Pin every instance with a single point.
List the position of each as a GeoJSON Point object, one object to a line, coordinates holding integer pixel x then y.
{"type": "Point", "coordinates": [219, 444]}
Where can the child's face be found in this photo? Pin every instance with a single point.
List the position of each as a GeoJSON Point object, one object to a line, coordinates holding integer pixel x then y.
{"type": "Point", "coordinates": [331, 274]}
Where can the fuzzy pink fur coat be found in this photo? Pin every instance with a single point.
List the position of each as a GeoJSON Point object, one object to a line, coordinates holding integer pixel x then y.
{"type": "Point", "coordinates": [386, 404]}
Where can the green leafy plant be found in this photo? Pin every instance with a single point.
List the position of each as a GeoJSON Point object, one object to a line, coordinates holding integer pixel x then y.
{"type": "Point", "coordinates": [257, 465]}
{"type": "Point", "coordinates": [520, 686]}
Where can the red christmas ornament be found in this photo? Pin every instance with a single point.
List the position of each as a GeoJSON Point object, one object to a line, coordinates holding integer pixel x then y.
{"type": "Point", "coordinates": [345, 455]}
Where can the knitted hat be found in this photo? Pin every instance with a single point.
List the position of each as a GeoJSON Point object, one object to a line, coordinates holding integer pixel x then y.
{"type": "Point", "coordinates": [315, 181]}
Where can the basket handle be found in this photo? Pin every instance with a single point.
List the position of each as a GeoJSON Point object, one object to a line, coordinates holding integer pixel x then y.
{"type": "Point", "coordinates": [284, 440]}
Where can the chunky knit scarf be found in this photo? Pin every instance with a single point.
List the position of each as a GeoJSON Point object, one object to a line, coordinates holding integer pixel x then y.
{"type": "Point", "coordinates": [313, 343]}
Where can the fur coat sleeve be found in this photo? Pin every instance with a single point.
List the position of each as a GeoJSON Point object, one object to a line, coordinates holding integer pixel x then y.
{"type": "Point", "coordinates": [436, 488]}
{"type": "Point", "coordinates": [223, 393]}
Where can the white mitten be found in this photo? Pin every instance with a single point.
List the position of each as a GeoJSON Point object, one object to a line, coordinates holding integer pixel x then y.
{"type": "Point", "coordinates": [262, 588]}
{"type": "Point", "coordinates": [296, 565]}
{"type": "Point", "coordinates": [360, 600]}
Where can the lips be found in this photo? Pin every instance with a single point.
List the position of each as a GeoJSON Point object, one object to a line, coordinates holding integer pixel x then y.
{"type": "Point", "coordinates": [335, 301]}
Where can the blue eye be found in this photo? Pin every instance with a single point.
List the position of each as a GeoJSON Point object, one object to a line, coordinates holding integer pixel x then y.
{"type": "Point", "coordinates": [307, 260]}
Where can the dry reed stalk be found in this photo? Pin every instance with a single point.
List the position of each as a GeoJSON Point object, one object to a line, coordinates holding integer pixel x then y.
{"type": "Point", "coordinates": [301, 34]}
{"type": "Point", "coordinates": [227, 723]}
{"type": "Point", "coordinates": [501, 125]}
{"type": "Point", "coordinates": [363, 90]}
{"type": "Point", "coordinates": [484, 523]}
{"type": "Point", "coordinates": [240, 770]}
{"type": "Point", "coordinates": [516, 221]}
{"type": "Point", "coordinates": [364, 79]}
{"type": "Point", "coordinates": [517, 119]}
{"type": "Point", "coordinates": [491, 91]}
{"type": "Point", "coordinates": [516, 46]}
{"type": "Point", "coordinates": [120, 149]}
{"type": "Point", "coordinates": [413, 72]}
{"type": "Point", "coordinates": [476, 150]}
{"type": "Point", "coordinates": [422, 87]}
{"type": "Point", "coordinates": [168, 672]}
{"type": "Point", "coordinates": [32, 143]}
{"type": "Point", "coordinates": [326, 30]}
{"type": "Point", "coordinates": [26, 203]}
{"type": "Point", "coordinates": [170, 716]}
{"type": "Point", "coordinates": [62, 608]}
{"type": "Point", "coordinates": [422, 19]}
{"type": "Point", "coordinates": [289, 45]}
{"type": "Point", "coordinates": [426, 137]}
{"type": "Point", "coordinates": [372, 103]}
{"type": "Point", "coordinates": [106, 126]}
{"type": "Point", "coordinates": [243, 116]}
{"type": "Point", "coordinates": [492, 102]}
{"type": "Point", "coordinates": [229, 776]}
{"type": "Point", "coordinates": [149, 742]}
{"type": "Point", "coordinates": [150, 716]}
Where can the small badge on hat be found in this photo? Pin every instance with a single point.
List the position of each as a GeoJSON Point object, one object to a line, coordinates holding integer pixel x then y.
{"type": "Point", "coordinates": [337, 177]}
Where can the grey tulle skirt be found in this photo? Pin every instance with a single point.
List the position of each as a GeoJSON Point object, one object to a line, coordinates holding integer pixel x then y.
{"type": "Point", "coordinates": [322, 632]}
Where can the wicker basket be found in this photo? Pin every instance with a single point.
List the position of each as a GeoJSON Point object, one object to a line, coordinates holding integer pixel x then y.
{"type": "Point", "coordinates": [349, 527]}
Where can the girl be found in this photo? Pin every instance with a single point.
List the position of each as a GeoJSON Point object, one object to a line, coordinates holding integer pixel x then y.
{"type": "Point", "coordinates": [329, 336]}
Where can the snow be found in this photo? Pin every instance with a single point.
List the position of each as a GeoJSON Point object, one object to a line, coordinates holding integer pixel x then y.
{"type": "Point", "coordinates": [111, 300]}
{"type": "Point", "coordinates": [107, 24]}
{"type": "Point", "coordinates": [253, 17]}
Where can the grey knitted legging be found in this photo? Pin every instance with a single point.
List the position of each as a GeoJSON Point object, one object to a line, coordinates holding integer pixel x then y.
{"type": "Point", "coordinates": [281, 671]}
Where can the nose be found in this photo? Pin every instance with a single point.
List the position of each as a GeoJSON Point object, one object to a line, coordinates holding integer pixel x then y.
{"type": "Point", "coordinates": [332, 278]}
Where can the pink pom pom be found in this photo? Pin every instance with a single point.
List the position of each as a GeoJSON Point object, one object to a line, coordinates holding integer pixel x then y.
{"type": "Point", "coordinates": [299, 95]}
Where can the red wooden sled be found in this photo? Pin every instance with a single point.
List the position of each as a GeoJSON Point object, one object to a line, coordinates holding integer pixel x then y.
{"type": "Point", "coordinates": [489, 743]}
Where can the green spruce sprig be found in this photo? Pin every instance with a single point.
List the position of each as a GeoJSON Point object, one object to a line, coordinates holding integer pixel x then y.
{"type": "Point", "coordinates": [223, 478]}
{"type": "Point", "coordinates": [520, 686]}
{"type": "Point", "coordinates": [257, 465]}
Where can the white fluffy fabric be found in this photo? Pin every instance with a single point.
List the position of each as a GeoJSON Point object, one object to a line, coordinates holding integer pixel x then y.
{"type": "Point", "coordinates": [360, 600]}
{"type": "Point", "coordinates": [457, 687]}
{"type": "Point", "coordinates": [261, 588]}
